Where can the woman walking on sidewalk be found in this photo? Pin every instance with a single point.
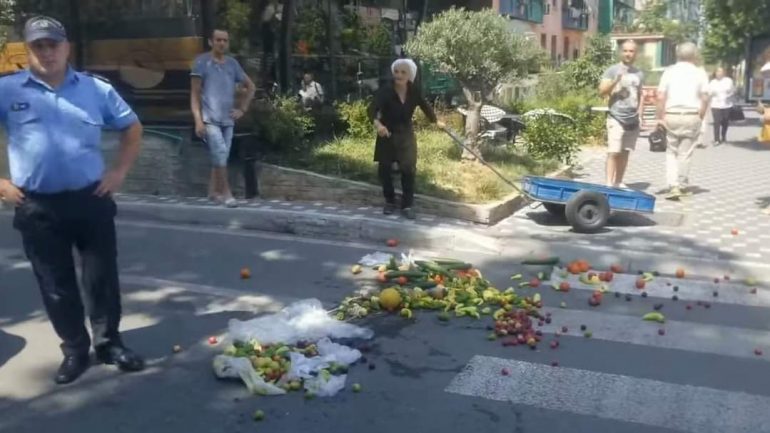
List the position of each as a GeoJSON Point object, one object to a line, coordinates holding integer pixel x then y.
{"type": "Point", "coordinates": [392, 111]}
{"type": "Point", "coordinates": [721, 91]}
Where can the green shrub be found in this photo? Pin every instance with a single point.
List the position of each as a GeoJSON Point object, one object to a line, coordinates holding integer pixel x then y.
{"type": "Point", "coordinates": [549, 138]}
{"type": "Point", "coordinates": [285, 123]}
{"type": "Point", "coordinates": [356, 117]}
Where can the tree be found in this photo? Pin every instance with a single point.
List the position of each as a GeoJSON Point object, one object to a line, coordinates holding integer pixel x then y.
{"type": "Point", "coordinates": [654, 19]}
{"type": "Point", "coordinates": [6, 19]}
{"type": "Point", "coordinates": [586, 71]}
{"type": "Point", "coordinates": [730, 24]}
{"type": "Point", "coordinates": [480, 51]}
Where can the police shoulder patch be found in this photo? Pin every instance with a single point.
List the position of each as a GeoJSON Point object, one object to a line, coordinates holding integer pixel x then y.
{"type": "Point", "coordinates": [97, 76]}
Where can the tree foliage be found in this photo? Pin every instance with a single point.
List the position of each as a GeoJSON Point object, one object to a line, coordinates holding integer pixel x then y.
{"type": "Point", "coordinates": [6, 19]}
{"type": "Point", "coordinates": [654, 18]}
{"type": "Point", "coordinates": [730, 24]}
{"type": "Point", "coordinates": [477, 48]}
{"type": "Point", "coordinates": [586, 71]}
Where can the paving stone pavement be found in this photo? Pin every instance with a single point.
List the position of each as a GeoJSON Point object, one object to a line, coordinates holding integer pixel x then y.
{"type": "Point", "coordinates": [730, 190]}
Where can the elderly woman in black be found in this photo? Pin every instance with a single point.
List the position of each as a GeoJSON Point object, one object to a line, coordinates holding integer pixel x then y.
{"type": "Point", "coordinates": [392, 111]}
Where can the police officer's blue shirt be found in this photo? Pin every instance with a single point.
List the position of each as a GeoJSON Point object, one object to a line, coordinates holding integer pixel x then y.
{"type": "Point", "coordinates": [218, 81]}
{"type": "Point", "coordinates": [54, 135]}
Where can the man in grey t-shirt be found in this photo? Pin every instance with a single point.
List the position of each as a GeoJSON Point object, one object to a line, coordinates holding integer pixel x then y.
{"type": "Point", "coordinates": [212, 100]}
{"type": "Point", "coordinates": [622, 82]}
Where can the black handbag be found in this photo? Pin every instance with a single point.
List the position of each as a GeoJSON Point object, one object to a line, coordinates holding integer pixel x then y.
{"type": "Point", "coordinates": [657, 139]}
{"type": "Point", "coordinates": [736, 113]}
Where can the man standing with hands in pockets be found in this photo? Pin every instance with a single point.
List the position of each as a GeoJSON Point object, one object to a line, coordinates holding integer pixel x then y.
{"type": "Point", "coordinates": [683, 99]}
{"type": "Point", "coordinates": [622, 82]}
{"type": "Point", "coordinates": [53, 116]}
{"type": "Point", "coordinates": [212, 101]}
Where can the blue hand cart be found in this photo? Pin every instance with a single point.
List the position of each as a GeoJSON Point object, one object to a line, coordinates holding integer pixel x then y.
{"type": "Point", "coordinates": [586, 206]}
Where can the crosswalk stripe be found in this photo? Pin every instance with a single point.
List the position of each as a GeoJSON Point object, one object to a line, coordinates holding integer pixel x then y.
{"type": "Point", "coordinates": [688, 289]}
{"type": "Point", "coordinates": [610, 396]}
{"type": "Point", "coordinates": [693, 337]}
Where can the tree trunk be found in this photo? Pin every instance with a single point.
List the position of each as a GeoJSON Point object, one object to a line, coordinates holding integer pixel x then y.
{"type": "Point", "coordinates": [472, 124]}
{"type": "Point", "coordinates": [285, 46]}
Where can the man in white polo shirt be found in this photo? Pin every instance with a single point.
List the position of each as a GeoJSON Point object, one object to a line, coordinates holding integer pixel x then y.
{"type": "Point", "coordinates": [682, 104]}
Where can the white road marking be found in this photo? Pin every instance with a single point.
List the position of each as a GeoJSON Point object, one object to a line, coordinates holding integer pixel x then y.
{"type": "Point", "coordinates": [610, 396]}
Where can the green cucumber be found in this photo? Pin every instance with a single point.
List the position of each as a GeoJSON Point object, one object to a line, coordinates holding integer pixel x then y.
{"type": "Point", "coordinates": [541, 262]}
{"type": "Point", "coordinates": [457, 266]}
{"type": "Point", "coordinates": [427, 284]}
{"type": "Point", "coordinates": [409, 274]}
{"type": "Point", "coordinates": [433, 267]}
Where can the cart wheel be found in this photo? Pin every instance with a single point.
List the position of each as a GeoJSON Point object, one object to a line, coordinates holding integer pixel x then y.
{"type": "Point", "coordinates": [587, 211]}
{"type": "Point", "coordinates": [555, 209]}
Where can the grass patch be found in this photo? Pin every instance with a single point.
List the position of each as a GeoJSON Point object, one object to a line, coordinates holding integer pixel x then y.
{"type": "Point", "coordinates": [440, 171]}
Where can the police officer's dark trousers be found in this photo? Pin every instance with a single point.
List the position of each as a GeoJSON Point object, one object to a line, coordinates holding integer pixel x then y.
{"type": "Point", "coordinates": [52, 225]}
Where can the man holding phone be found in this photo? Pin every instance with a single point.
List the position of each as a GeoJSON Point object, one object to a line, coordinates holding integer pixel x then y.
{"type": "Point", "coordinates": [622, 82]}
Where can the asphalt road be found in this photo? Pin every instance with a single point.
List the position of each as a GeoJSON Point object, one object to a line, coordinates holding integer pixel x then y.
{"type": "Point", "coordinates": [181, 285]}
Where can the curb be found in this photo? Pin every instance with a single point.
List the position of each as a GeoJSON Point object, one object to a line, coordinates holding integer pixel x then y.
{"type": "Point", "coordinates": [308, 223]}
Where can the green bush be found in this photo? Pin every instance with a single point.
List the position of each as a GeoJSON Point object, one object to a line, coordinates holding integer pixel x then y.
{"type": "Point", "coordinates": [285, 123]}
{"type": "Point", "coordinates": [549, 138]}
{"type": "Point", "coordinates": [356, 117]}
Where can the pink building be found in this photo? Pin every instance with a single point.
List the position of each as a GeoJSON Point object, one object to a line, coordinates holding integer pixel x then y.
{"type": "Point", "coordinates": [561, 26]}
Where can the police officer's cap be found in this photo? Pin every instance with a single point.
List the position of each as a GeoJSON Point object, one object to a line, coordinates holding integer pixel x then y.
{"type": "Point", "coordinates": [43, 27]}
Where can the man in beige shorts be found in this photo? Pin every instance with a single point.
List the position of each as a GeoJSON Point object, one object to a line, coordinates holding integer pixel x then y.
{"type": "Point", "coordinates": [683, 101]}
{"type": "Point", "coordinates": [622, 82]}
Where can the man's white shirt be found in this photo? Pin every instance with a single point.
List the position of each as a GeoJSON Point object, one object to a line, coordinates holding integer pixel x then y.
{"type": "Point", "coordinates": [684, 85]}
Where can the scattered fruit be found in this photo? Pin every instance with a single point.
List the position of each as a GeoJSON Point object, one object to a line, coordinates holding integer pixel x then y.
{"type": "Point", "coordinates": [382, 278]}
{"type": "Point", "coordinates": [213, 340]}
{"type": "Point", "coordinates": [680, 273]}
{"type": "Point", "coordinates": [392, 243]}
{"type": "Point", "coordinates": [617, 294]}
{"type": "Point", "coordinates": [554, 344]}
{"type": "Point", "coordinates": [177, 348]}
{"type": "Point", "coordinates": [443, 316]}
{"type": "Point", "coordinates": [753, 291]}
{"type": "Point", "coordinates": [751, 281]}
{"type": "Point", "coordinates": [628, 298]}
{"type": "Point", "coordinates": [654, 317]}
{"type": "Point", "coordinates": [309, 395]}
{"type": "Point", "coordinates": [535, 282]}
{"type": "Point", "coordinates": [657, 307]}
{"type": "Point", "coordinates": [640, 283]}
{"type": "Point", "coordinates": [727, 278]}
{"type": "Point", "coordinates": [758, 352]}
{"type": "Point", "coordinates": [356, 269]}
{"type": "Point", "coordinates": [707, 305]}
{"type": "Point", "coordinates": [675, 298]}
{"type": "Point", "coordinates": [492, 337]}
{"type": "Point", "coordinates": [715, 293]}
{"type": "Point", "coordinates": [583, 327]}
{"type": "Point", "coordinates": [245, 273]}
{"type": "Point", "coordinates": [564, 286]}
{"type": "Point", "coordinates": [372, 366]}
{"type": "Point", "coordinates": [616, 268]}
{"type": "Point", "coordinates": [563, 305]}
{"type": "Point", "coordinates": [402, 281]}
{"type": "Point", "coordinates": [505, 372]}
{"type": "Point", "coordinates": [554, 363]}
{"type": "Point", "coordinates": [259, 415]}
{"type": "Point", "coordinates": [676, 288]}
{"type": "Point", "coordinates": [734, 232]}
{"type": "Point", "coordinates": [390, 299]}
{"type": "Point", "coordinates": [564, 329]}
{"type": "Point", "coordinates": [356, 387]}
{"type": "Point", "coordinates": [644, 294]}
{"type": "Point", "coordinates": [661, 331]}
{"type": "Point", "coordinates": [716, 280]}
{"type": "Point", "coordinates": [688, 306]}
{"type": "Point", "coordinates": [406, 313]}
{"type": "Point", "coordinates": [588, 334]}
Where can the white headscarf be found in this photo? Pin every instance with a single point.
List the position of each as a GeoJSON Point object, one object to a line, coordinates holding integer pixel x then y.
{"type": "Point", "coordinates": [410, 65]}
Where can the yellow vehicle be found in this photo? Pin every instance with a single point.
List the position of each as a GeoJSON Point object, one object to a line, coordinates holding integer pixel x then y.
{"type": "Point", "coordinates": [145, 47]}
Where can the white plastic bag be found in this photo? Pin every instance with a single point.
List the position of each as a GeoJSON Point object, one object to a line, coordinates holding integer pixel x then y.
{"type": "Point", "coordinates": [229, 367]}
{"type": "Point", "coordinates": [325, 385]}
{"type": "Point", "coordinates": [329, 353]}
{"type": "Point", "coordinates": [337, 353]}
{"type": "Point", "coordinates": [375, 259]}
{"type": "Point", "coordinates": [304, 320]}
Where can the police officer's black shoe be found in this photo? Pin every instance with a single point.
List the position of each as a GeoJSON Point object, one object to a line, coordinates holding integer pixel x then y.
{"type": "Point", "coordinates": [71, 368]}
{"type": "Point", "coordinates": [408, 213]}
{"type": "Point", "coordinates": [124, 358]}
{"type": "Point", "coordinates": [388, 209]}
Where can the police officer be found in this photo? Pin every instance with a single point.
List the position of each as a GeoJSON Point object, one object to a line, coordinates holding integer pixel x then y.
{"type": "Point", "coordinates": [62, 192]}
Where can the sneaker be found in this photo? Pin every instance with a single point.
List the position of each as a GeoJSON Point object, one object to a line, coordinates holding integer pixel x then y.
{"type": "Point", "coordinates": [623, 186]}
{"type": "Point", "coordinates": [408, 213]}
{"type": "Point", "coordinates": [389, 209]}
{"type": "Point", "coordinates": [230, 202]}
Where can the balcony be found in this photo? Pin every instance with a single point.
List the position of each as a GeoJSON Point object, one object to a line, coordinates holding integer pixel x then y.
{"type": "Point", "coordinates": [528, 10]}
{"type": "Point", "coordinates": [575, 15]}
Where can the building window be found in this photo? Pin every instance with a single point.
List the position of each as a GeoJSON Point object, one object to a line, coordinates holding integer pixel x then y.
{"type": "Point", "coordinates": [544, 41]}
{"type": "Point", "coordinates": [575, 53]}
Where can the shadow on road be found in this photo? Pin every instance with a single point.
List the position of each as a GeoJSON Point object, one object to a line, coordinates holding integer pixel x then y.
{"type": "Point", "coordinates": [10, 346]}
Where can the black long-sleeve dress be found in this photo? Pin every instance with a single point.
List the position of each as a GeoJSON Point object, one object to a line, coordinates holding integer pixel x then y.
{"type": "Point", "coordinates": [395, 115]}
